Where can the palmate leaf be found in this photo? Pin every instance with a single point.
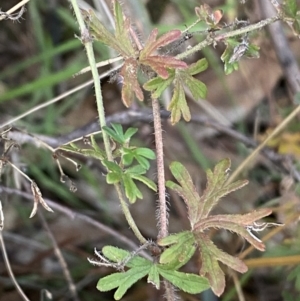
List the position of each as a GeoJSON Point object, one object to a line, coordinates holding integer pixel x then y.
{"type": "Point", "coordinates": [182, 248]}
{"type": "Point", "coordinates": [178, 105]}
{"type": "Point", "coordinates": [158, 85]}
{"type": "Point", "coordinates": [140, 267]}
{"type": "Point", "coordinates": [210, 268]}
{"type": "Point", "coordinates": [160, 64]}
{"type": "Point", "coordinates": [199, 209]}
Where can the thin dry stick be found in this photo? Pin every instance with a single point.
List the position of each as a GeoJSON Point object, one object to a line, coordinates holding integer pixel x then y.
{"type": "Point", "coordinates": [276, 131]}
{"type": "Point", "coordinates": [13, 9]}
{"type": "Point", "coordinates": [163, 213]}
{"type": "Point", "coordinates": [9, 269]}
{"type": "Point", "coordinates": [238, 287]}
{"type": "Point", "coordinates": [60, 258]}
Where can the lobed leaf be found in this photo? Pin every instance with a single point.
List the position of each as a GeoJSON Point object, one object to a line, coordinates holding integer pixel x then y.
{"type": "Point", "coordinates": [181, 250]}
{"type": "Point", "coordinates": [119, 255]}
{"type": "Point", "coordinates": [100, 32]}
{"type": "Point", "coordinates": [210, 268]}
{"type": "Point", "coordinates": [197, 67]}
{"type": "Point", "coordinates": [153, 276]}
{"type": "Point", "coordinates": [217, 188]}
{"type": "Point", "coordinates": [197, 87]}
{"type": "Point", "coordinates": [152, 44]}
{"type": "Point", "coordinates": [189, 283]}
{"type": "Point", "coordinates": [187, 191]}
{"type": "Point", "coordinates": [131, 190]}
{"type": "Point", "coordinates": [123, 281]}
{"type": "Point", "coordinates": [158, 85]}
{"type": "Point", "coordinates": [178, 105]}
{"type": "Point", "coordinates": [160, 64]}
{"type": "Point", "coordinates": [131, 86]}
{"type": "Point", "coordinates": [146, 181]}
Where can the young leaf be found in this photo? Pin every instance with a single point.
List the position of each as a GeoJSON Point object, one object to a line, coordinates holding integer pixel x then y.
{"type": "Point", "coordinates": [187, 190]}
{"type": "Point", "coordinates": [189, 283]}
{"type": "Point", "coordinates": [99, 31]}
{"type": "Point", "coordinates": [153, 276]}
{"type": "Point", "coordinates": [158, 85]}
{"type": "Point", "coordinates": [119, 255]}
{"type": "Point", "coordinates": [178, 105]}
{"type": "Point", "coordinates": [146, 181]}
{"type": "Point", "coordinates": [197, 67]}
{"type": "Point", "coordinates": [181, 250]}
{"type": "Point", "coordinates": [129, 133]}
{"type": "Point", "coordinates": [131, 190]}
{"type": "Point", "coordinates": [122, 30]}
{"type": "Point", "coordinates": [123, 281]}
{"type": "Point", "coordinates": [158, 63]}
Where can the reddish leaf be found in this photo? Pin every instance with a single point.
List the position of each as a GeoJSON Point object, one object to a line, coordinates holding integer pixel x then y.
{"type": "Point", "coordinates": [210, 268]}
{"type": "Point", "coordinates": [152, 44]}
{"type": "Point", "coordinates": [131, 86]}
{"type": "Point", "coordinates": [160, 64]}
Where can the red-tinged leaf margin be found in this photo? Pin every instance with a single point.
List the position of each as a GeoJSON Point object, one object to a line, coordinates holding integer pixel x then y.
{"type": "Point", "coordinates": [210, 268]}
{"type": "Point", "coordinates": [160, 64]}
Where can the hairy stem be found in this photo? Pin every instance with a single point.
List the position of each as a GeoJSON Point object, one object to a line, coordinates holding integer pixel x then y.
{"type": "Point", "coordinates": [216, 37]}
{"type": "Point", "coordinates": [163, 213]}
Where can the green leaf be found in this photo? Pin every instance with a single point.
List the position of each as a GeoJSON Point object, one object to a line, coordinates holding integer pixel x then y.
{"type": "Point", "coordinates": [178, 105]}
{"type": "Point", "coordinates": [135, 170]}
{"type": "Point", "coordinates": [145, 152]}
{"type": "Point", "coordinates": [146, 181]}
{"type": "Point", "coordinates": [131, 190]}
{"type": "Point", "coordinates": [189, 283]}
{"type": "Point", "coordinates": [116, 136]}
{"type": "Point", "coordinates": [187, 191]}
{"type": "Point", "coordinates": [216, 187]}
{"type": "Point", "coordinates": [158, 85]}
{"type": "Point", "coordinates": [122, 280]}
{"type": "Point", "coordinates": [119, 255]}
{"type": "Point", "coordinates": [182, 248]}
{"type": "Point", "coordinates": [197, 67]}
{"type": "Point", "coordinates": [153, 276]}
{"type": "Point", "coordinates": [197, 87]}
{"type": "Point", "coordinates": [99, 31]}
{"type": "Point", "coordinates": [113, 178]}
{"type": "Point", "coordinates": [129, 133]}
{"type": "Point", "coordinates": [112, 166]}
{"type": "Point", "coordinates": [122, 30]}
{"type": "Point", "coordinates": [290, 8]}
